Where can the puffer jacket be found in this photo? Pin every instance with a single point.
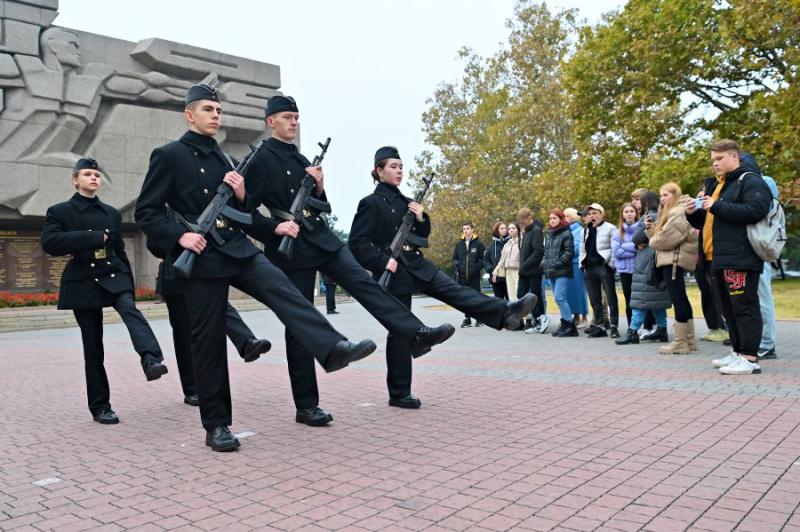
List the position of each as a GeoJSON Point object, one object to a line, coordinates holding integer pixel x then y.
{"type": "Point", "coordinates": [737, 206]}
{"type": "Point", "coordinates": [676, 241]}
{"type": "Point", "coordinates": [605, 232]}
{"type": "Point", "coordinates": [624, 249]}
{"type": "Point", "coordinates": [509, 258]}
{"type": "Point", "coordinates": [558, 251]}
{"type": "Point", "coordinates": [643, 295]}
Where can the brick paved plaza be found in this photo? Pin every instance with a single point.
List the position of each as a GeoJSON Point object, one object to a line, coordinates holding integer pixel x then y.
{"type": "Point", "coordinates": [516, 432]}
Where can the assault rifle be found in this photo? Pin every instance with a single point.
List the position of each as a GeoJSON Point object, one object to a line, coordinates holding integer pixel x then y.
{"type": "Point", "coordinates": [302, 201]}
{"type": "Point", "coordinates": [404, 233]}
{"type": "Point", "coordinates": [206, 224]}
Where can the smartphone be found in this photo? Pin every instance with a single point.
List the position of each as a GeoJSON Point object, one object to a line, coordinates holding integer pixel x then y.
{"type": "Point", "coordinates": [698, 203]}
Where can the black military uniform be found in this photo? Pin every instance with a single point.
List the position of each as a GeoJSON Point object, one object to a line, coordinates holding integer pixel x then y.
{"type": "Point", "coordinates": [184, 175]}
{"type": "Point", "coordinates": [98, 275]}
{"type": "Point", "coordinates": [274, 180]}
{"type": "Point", "coordinates": [171, 288]}
{"type": "Point", "coordinates": [375, 224]}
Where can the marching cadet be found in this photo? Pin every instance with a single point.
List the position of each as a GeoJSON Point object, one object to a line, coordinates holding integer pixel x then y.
{"type": "Point", "coordinates": [375, 224]}
{"type": "Point", "coordinates": [182, 179]}
{"type": "Point", "coordinates": [274, 180]}
{"type": "Point", "coordinates": [98, 275]}
{"type": "Point", "coordinates": [171, 288]}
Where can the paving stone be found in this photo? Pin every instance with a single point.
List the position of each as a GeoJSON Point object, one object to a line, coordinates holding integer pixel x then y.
{"type": "Point", "coordinates": [515, 432]}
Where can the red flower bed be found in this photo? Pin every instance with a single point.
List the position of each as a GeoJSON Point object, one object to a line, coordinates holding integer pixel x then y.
{"type": "Point", "coordinates": [35, 299]}
{"type": "Point", "coordinates": [8, 299]}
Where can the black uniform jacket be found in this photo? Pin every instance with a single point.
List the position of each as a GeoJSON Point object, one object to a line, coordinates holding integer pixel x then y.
{"type": "Point", "coordinates": [273, 180]}
{"type": "Point", "coordinates": [98, 270]}
{"type": "Point", "coordinates": [185, 174]}
{"type": "Point", "coordinates": [377, 220]}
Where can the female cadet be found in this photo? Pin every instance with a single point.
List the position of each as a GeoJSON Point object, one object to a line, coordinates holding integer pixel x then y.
{"type": "Point", "coordinates": [377, 220]}
{"type": "Point", "coordinates": [98, 275]}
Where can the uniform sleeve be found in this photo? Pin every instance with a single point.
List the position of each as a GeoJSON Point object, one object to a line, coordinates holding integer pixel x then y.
{"type": "Point", "coordinates": [263, 228]}
{"type": "Point", "coordinates": [58, 240]}
{"type": "Point", "coordinates": [422, 228]}
{"type": "Point", "coordinates": [361, 237]}
{"type": "Point", "coordinates": [151, 213]}
{"type": "Point", "coordinates": [118, 242]}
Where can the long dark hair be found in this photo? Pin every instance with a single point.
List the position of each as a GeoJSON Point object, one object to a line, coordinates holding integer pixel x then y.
{"type": "Point", "coordinates": [496, 229]}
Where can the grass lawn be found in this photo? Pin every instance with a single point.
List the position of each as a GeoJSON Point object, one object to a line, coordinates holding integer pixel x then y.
{"type": "Point", "coordinates": [786, 294]}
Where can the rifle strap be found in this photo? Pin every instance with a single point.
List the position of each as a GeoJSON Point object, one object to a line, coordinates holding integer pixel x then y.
{"type": "Point", "coordinates": [282, 215]}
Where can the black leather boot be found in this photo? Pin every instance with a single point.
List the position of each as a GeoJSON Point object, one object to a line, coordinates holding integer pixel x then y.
{"type": "Point", "coordinates": [630, 337]}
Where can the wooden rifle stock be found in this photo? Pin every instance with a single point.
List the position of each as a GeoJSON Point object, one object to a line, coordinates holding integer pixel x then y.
{"type": "Point", "coordinates": [396, 248]}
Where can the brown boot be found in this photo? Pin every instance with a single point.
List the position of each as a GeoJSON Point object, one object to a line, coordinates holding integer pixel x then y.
{"type": "Point", "coordinates": [679, 345]}
{"type": "Point", "coordinates": [690, 338]}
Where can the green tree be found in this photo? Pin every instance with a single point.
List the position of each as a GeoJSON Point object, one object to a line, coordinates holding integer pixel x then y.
{"type": "Point", "coordinates": [651, 86]}
{"type": "Point", "coordinates": [500, 132]}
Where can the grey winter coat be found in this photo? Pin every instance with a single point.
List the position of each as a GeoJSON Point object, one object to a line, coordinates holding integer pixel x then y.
{"type": "Point", "coordinates": [645, 296]}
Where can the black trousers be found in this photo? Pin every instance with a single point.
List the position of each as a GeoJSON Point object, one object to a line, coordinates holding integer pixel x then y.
{"type": "Point", "coordinates": [626, 280]}
{"type": "Point", "coordinates": [677, 293]}
{"type": "Point", "coordinates": [600, 279]}
{"type": "Point", "coordinates": [235, 328]}
{"type": "Point", "coordinates": [473, 283]}
{"type": "Point", "coordinates": [330, 296]}
{"type": "Point", "coordinates": [206, 300]}
{"type": "Point", "coordinates": [488, 310]}
{"type": "Point", "coordinates": [532, 284]}
{"type": "Point", "coordinates": [342, 268]}
{"type": "Point", "coordinates": [709, 295]}
{"type": "Point", "coordinates": [500, 288]}
{"type": "Point", "coordinates": [90, 322]}
{"type": "Point", "coordinates": [741, 309]}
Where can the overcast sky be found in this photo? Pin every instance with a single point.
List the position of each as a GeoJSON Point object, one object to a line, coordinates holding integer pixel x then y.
{"type": "Point", "coordinates": [361, 70]}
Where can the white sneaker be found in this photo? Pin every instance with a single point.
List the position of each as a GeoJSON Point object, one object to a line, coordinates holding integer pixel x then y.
{"type": "Point", "coordinates": [741, 367]}
{"type": "Point", "coordinates": [727, 360]}
{"type": "Point", "coordinates": [544, 321]}
{"type": "Point", "coordinates": [534, 328]}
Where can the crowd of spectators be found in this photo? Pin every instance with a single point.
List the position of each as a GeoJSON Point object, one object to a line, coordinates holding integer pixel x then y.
{"type": "Point", "coordinates": [661, 238]}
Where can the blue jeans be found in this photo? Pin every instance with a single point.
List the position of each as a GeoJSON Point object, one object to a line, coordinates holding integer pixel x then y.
{"type": "Point", "coordinates": [560, 285]}
{"type": "Point", "coordinates": [767, 308]}
{"type": "Point", "coordinates": [640, 314]}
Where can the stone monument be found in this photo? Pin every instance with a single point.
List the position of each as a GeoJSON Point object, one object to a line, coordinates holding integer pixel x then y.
{"type": "Point", "coordinates": [65, 94]}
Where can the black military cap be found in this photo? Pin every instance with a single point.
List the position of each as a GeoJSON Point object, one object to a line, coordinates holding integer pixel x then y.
{"type": "Point", "coordinates": [84, 163]}
{"type": "Point", "coordinates": [387, 152]}
{"type": "Point", "coordinates": [201, 91]}
{"type": "Point", "coordinates": [279, 104]}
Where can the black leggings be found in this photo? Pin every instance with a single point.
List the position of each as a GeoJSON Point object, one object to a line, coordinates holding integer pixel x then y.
{"type": "Point", "coordinates": [677, 293]}
{"type": "Point", "coordinates": [626, 280]}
